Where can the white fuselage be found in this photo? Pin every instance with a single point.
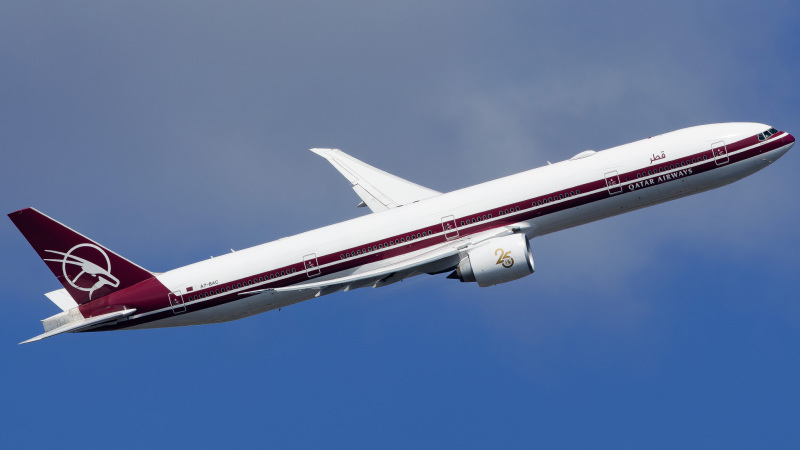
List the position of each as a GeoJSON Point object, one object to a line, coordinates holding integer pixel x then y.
{"type": "Point", "coordinates": [588, 185]}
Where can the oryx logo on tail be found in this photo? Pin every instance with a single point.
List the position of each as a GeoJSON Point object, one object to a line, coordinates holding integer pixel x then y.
{"type": "Point", "coordinates": [81, 272]}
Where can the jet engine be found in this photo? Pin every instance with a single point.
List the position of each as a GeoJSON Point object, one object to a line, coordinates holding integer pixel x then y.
{"type": "Point", "coordinates": [498, 260]}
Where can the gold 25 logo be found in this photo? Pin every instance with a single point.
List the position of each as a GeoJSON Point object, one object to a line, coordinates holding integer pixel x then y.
{"type": "Point", "coordinates": [504, 260]}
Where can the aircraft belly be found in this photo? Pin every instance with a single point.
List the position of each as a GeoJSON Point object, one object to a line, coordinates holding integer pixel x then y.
{"type": "Point", "coordinates": [720, 176]}
{"type": "Point", "coordinates": [227, 312]}
{"type": "Point", "coordinates": [594, 211]}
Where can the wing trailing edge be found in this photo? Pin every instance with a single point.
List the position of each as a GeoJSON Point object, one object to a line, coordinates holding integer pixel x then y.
{"type": "Point", "coordinates": [379, 190]}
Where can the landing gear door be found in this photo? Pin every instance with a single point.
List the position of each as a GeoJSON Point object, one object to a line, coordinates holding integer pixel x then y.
{"type": "Point", "coordinates": [612, 182]}
{"type": "Point", "coordinates": [311, 265]}
{"type": "Point", "coordinates": [449, 227]}
{"type": "Point", "coordinates": [720, 153]}
{"type": "Point", "coordinates": [176, 302]}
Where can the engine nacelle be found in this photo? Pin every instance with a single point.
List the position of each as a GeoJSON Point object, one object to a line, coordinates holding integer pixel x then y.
{"type": "Point", "coordinates": [498, 260]}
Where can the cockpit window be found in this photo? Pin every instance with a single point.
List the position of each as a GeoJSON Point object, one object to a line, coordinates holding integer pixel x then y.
{"type": "Point", "coordinates": [766, 135]}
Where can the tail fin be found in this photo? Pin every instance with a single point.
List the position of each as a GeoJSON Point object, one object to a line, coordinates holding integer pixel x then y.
{"type": "Point", "coordinates": [86, 269]}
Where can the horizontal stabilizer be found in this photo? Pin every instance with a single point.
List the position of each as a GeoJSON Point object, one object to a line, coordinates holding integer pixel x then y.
{"type": "Point", "coordinates": [83, 324]}
{"type": "Point", "coordinates": [62, 299]}
{"type": "Point", "coordinates": [378, 189]}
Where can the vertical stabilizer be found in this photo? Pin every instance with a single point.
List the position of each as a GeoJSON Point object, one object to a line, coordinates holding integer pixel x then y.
{"type": "Point", "coordinates": [86, 269]}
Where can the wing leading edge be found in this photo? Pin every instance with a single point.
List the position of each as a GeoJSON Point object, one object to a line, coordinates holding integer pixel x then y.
{"type": "Point", "coordinates": [440, 258]}
{"type": "Point", "coordinates": [379, 190]}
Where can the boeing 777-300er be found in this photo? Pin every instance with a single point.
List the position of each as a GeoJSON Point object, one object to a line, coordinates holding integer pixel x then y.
{"type": "Point", "coordinates": [477, 234]}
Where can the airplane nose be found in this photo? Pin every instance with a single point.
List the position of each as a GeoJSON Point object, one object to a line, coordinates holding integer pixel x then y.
{"type": "Point", "coordinates": [788, 139]}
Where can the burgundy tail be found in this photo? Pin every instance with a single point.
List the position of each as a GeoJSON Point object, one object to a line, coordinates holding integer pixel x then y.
{"type": "Point", "coordinates": [86, 269]}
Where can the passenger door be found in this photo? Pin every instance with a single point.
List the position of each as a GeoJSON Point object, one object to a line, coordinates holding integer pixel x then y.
{"type": "Point", "coordinates": [720, 153]}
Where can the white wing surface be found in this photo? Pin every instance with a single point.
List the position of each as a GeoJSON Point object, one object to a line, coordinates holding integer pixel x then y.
{"type": "Point", "coordinates": [379, 190]}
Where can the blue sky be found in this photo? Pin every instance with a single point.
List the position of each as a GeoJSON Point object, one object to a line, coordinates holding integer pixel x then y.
{"type": "Point", "coordinates": [173, 132]}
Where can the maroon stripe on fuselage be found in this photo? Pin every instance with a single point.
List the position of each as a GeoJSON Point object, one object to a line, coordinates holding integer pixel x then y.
{"type": "Point", "coordinates": [151, 295]}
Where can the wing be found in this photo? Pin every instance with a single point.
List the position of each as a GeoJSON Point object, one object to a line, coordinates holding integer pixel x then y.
{"type": "Point", "coordinates": [440, 258]}
{"type": "Point", "coordinates": [378, 189]}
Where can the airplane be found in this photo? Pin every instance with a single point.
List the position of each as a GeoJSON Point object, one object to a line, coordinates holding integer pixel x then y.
{"type": "Point", "coordinates": [478, 234]}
